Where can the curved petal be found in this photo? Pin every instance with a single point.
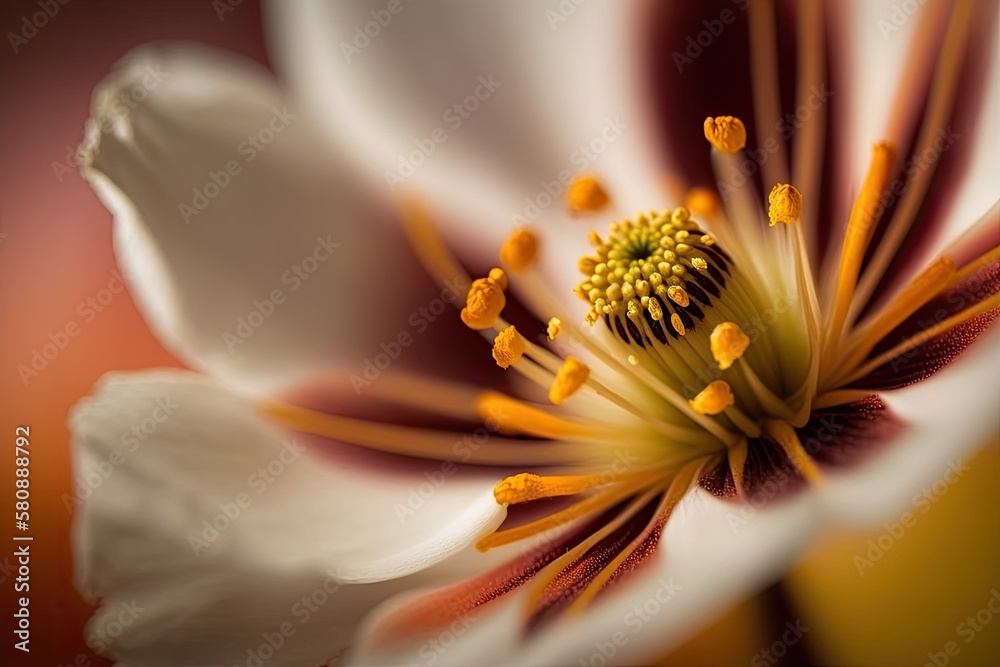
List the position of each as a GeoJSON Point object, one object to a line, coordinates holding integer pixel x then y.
{"type": "Point", "coordinates": [712, 554]}
{"type": "Point", "coordinates": [239, 234]}
{"type": "Point", "coordinates": [948, 417]}
{"type": "Point", "coordinates": [215, 523]}
{"type": "Point", "coordinates": [558, 94]}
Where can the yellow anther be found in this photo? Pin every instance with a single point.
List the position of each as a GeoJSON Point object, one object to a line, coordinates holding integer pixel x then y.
{"type": "Point", "coordinates": [654, 310]}
{"type": "Point", "coordinates": [726, 133]}
{"type": "Point", "coordinates": [485, 301]}
{"type": "Point", "coordinates": [699, 263]}
{"type": "Point", "coordinates": [677, 323]}
{"type": "Point", "coordinates": [728, 344]}
{"type": "Point", "coordinates": [571, 376]}
{"type": "Point", "coordinates": [554, 327]}
{"type": "Point", "coordinates": [526, 487]}
{"type": "Point", "coordinates": [519, 250]}
{"type": "Point", "coordinates": [703, 202]}
{"type": "Point", "coordinates": [784, 204]}
{"type": "Point", "coordinates": [678, 295]}
{"type": "Point", "coordinates": [713, 399]}
{"type": "Point", "coordinates": [586, 195]}
{"type": "Point", "coordinates": [634, 360]}
{"type": "Point", "coordinates": [508, 346]}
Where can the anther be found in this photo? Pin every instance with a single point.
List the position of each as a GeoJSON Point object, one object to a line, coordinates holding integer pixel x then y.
{"type": "Point", "coordinates": [728, 344]}
{"type": "Point", "coordinates": [585, 194]}
{"type": "Point", "coordinates": [485, 301]}
{"type": "Point", "coordinates": [726, 133]}
{"type": "Point", "coordinates": [784, 204]}
{"type": "Point", "coordinates": [713, 399]}
{"type": "Point", "coordinates": [570, 377]}
{"type": "Point", "coordinates": [508, 347]}
{"type": "Point", "coordinates": [519, 250]}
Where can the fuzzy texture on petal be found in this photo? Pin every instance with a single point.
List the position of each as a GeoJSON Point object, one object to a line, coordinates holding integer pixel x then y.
{"type": "Point", "coordinates": [211, 524]}
{"type": "Point", "coordinates": [243, 239]}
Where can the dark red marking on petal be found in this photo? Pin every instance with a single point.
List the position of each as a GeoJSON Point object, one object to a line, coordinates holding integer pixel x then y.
{"type": "Point", "coordinates": [845, 435]}
{"type": "Point", "coordinates": [768, 473]}
{"type": "Point", "coordinates": [952, 158]}
{"type": "Point", "coordinates": [923, 361]}
{"type": "Point", "coordinates": [439, 608]}
{"type": "Point", "coordinates": [568, 584]}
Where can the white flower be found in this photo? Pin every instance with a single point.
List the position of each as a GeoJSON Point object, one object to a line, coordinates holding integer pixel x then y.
{"type": "Point", "coordinates": [260, 511]}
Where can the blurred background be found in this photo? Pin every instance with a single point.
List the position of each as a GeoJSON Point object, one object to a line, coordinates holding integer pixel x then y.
{"type": "Point", "coordinates": [55, 254]}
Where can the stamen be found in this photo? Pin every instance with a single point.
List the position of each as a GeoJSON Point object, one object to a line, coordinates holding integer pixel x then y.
{"type": "Point", "coordinates": [508, 347]}
{"type": "Point", "coordinates": [726, 133]}
{"type": "Point", "coordinates": [509, 415]}
{"type": "Point", "coordinates": [737, 456]}
{"type": "Point", "coordinates": [526, 487]}
{"type": "Point", "coordinates": [586, 195]}
{"type": "Point", "coordinates": [713, 399]}
{"type": "Point", "coordinates": [785, 435]}
{"type": "Point", "coordinates": [702, 202]}
{"type": "Point", "coordinates": [570, 377]}
{"type": "Point", "coordinates": [860, 228]}
{"type": "Point", "coordinates": [554, 328]}
{"type": "Point", "coordinates": [519, 250]}
{"type": "Point", "coordinates": [728, 344]}
{"type": "Point", "coordinates": [485, 301]}
{"type": "Point", "coordinates": [784, 204]}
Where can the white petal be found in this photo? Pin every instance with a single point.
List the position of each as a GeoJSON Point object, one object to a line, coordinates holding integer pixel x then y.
{"type": "Point", "coordinates": [563, 83]}
{"type": "Point", "coordinates": [712, 555]}
{"type": "Point", "coordinates": [240, 233]}
{"type": "Point", "coordinates": [948, 417]}
{"type": "Point", "coordinates": [216, 523]}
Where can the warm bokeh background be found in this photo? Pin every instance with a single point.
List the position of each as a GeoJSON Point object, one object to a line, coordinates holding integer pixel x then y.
{"type": "Point", "coordinates": [55, 253]}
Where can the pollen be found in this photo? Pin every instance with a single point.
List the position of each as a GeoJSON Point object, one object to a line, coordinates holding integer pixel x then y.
{"type": "Point", "coordinates": [570, 377]}
{"type": "Point", "coordinates": [703, 202]}
{"type": "Point", "coordinates": [553, 328]}
{"type": "Point", "coordinates": [508, 347]}
{"type": "Point", "coordinates": [586, 195]}
{"type": "Point", "coordinates": [728, 344]}
{"type": "Point", "coordinates": [649, 265]}
{"type": "Point", "coordinates": [784, 204]}
{"type": "Point", "coordinates": [485, 300]}
{"type": "Point", "coordinates": [726, 133]}
{"type": "Point", "coordinates": [713, 399]}
{"type": "Point", "coordinates": [518, 251]}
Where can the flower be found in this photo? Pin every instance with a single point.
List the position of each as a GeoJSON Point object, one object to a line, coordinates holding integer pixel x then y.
{"type": "Point", "coordinates": [729, 358]}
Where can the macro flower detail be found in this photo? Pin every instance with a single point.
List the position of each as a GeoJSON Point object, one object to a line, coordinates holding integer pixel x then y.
{"type": "Point", "coordinates": [639, 392]}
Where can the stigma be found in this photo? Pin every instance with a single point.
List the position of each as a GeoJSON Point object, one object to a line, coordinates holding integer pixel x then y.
{"type": "Point", "coordinates": [658, 274]}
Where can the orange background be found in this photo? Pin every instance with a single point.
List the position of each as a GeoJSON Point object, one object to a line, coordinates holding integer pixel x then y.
{"type": "Point", "coordinates": [55, 252]}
